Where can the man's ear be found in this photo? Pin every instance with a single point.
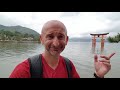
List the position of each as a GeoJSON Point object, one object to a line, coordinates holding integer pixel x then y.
{"type": "Point", "coordinates": [67, 40]}
{"type": "Point", "coordinates": [41, 39]}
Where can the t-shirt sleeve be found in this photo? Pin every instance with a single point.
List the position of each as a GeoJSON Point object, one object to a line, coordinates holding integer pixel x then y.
{"type": "Point", "coordinates": [21, 70]}
{"type": "Point", "coordinates": [74, 72]}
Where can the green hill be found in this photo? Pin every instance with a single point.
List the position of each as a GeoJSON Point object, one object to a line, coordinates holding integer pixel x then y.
{"type": "Point", "coordinates": [20, 29]}
{"type": "Point", "coordinates": [19, 33]}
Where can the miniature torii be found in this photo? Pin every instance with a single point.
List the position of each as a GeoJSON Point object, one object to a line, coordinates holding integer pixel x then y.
{"type": "Point", "coordinates": [102, 36]}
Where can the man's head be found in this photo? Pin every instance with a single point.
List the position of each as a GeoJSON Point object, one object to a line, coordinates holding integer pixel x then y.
{"type": "Point", "coordinates": [54, 37]}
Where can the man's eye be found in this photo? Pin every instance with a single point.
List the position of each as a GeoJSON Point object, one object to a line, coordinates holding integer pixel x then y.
{"type": "Point", "coordinates": [61, 37]}
{"type": "Point", "coordinates": [50, 37]}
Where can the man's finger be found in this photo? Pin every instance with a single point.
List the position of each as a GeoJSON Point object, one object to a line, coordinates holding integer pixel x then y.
{"type": "Point", "coordinates": [95, 58]}
{"type": "Point", "coordinates": [111, 55]}
{"type": "Point", "coordinates": [107, 61]}
{"type": "Point", "coordinates": [107, 58]}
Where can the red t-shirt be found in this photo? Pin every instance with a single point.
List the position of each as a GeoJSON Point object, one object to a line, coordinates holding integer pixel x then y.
{"type": "Point", "coordinates": [22, 70]}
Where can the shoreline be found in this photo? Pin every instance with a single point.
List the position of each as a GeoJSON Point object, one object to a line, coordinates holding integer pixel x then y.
{"type": "Point", "coordinates": [21, 41]}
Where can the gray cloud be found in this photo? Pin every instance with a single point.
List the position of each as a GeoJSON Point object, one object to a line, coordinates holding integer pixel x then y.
{"type": "Point", "coordinates": [4, 20]}
{"type": "Point", "coordinates": [114, 28]}
{"type": "Point", "coordinates": [69, 14]}
{"type": "Point", "coordinates": [114, 16]}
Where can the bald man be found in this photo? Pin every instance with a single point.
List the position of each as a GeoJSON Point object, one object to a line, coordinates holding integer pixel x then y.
{"type": "Point", "coordinates": [54, 39]}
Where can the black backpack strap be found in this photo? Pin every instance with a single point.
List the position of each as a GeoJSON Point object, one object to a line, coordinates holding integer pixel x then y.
{"type": "Point", "coordinates": [68, 66]}
{"type": "Point", "coordinates": [36, 69]}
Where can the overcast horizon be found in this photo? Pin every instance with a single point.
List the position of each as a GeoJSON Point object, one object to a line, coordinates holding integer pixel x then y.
{"type": "Point", "coordinates": [78, 24]}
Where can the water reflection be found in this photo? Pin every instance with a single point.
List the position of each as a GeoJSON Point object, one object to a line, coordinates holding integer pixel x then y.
{"type": "Point", "coordinates": [15, 49]}
{"type": "Point", "coordinates": [98, 50]}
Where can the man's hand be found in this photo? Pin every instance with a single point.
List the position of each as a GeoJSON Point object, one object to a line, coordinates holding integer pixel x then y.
{"type": "Point", "coordinates": [102, 66]}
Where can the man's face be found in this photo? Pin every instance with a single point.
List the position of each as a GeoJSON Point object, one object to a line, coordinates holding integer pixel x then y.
{"type": "Point", "coordinates": [54, 40]}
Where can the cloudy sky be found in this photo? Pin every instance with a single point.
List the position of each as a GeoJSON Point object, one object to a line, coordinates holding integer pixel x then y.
{"type": "Point", "coordinates": [79, 24]}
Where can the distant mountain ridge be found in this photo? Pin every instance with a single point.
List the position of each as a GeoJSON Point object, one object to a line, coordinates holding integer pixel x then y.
{"type": "Point", "coordinates": [75, 39]}
{"type": "Point", "coordinates": [20, 29]}
{"type": "Point", "coordinates": [83, 39]}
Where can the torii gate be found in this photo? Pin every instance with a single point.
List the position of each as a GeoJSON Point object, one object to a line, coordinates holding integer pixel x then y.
{"type": "Point", "coordinates": [102, 36]}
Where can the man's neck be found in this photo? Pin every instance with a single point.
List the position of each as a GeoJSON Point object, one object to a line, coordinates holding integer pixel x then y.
{"type": "Point", "coordinates": [52, 61]}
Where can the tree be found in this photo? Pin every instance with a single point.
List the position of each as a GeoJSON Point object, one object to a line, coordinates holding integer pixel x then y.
{"type": "Point", "coordinates": [114, 39]}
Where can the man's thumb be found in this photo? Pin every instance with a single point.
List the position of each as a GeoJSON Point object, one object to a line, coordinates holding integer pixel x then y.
{"type": "Point", "coordinates": [95, 58]}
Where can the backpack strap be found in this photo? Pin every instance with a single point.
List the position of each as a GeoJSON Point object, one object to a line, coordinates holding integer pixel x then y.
{"type": "Point", "coordinates": [68, 66]}
{"type": "Point", "coordinates": [36, 69]}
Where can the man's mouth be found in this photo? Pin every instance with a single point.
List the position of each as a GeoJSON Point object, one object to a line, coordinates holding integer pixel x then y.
{"type": "Point", "coordinates": [55, 49]}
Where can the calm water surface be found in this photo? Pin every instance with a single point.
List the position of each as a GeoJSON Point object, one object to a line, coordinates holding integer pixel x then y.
{"type": "Point", "coordinates": [12, 53]}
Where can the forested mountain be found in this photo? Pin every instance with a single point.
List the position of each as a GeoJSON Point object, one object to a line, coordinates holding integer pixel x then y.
{"type": "Point", "coordinates": [18, 33]}
{"type": "Point", "coordinates": [20, 29]}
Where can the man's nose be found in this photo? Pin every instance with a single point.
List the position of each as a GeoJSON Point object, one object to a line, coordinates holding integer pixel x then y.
{"type": "Point", "coordinates": [56, 41]}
